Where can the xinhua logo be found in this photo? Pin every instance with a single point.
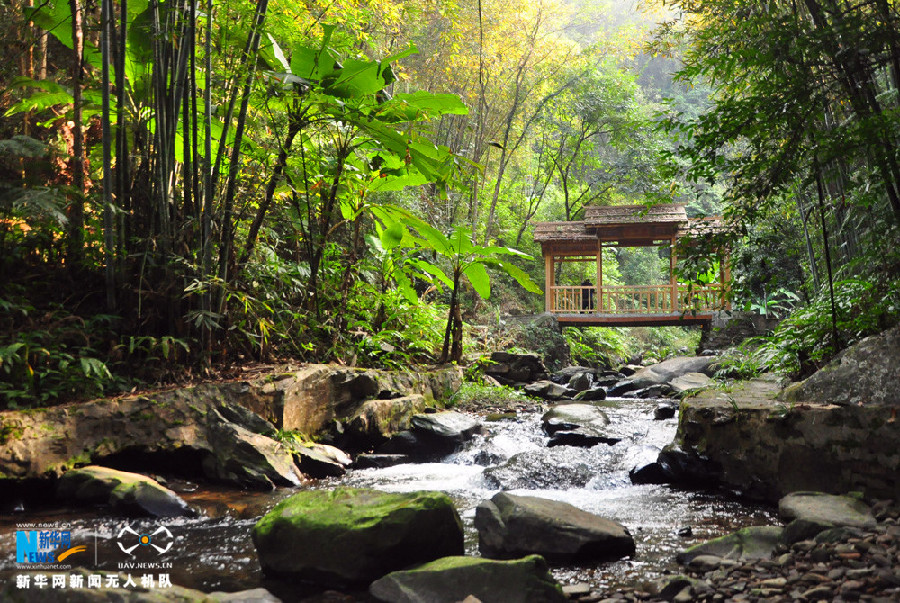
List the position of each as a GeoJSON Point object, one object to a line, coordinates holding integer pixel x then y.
{"type": "Point", "coordinates": [161, 540]}
{"type": "Point", "coordinates": [45, 546]}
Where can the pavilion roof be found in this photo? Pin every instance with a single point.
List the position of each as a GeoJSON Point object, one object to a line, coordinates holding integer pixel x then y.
{"type": "Point", "coordinates": [562, 231]}
{"type": "Point", "coordinates": [597, 216]}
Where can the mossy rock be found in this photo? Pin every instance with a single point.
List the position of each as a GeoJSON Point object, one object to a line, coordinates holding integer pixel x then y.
{"type": "Point", "coordinates": [351, 535]}
{"type": "Point", "coordinates": [129, 493]}
{"type": "Point", "coordinates": [526, 580]}
{"type": "Point", "coordinates": [755, 542]}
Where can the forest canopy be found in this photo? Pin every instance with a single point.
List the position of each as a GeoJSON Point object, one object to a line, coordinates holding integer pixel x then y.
{"type": "Point", "coordinates": [189, 186]}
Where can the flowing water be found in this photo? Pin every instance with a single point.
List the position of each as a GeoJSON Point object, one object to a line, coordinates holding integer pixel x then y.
{"type": "Point", "coordinates": [215, 552]}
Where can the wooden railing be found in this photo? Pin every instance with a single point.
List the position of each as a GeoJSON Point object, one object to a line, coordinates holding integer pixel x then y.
{"type": "Point", "coordinates": [636, 299]}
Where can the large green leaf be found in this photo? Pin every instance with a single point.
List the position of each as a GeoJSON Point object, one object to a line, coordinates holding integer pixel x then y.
{"type": "Point", "coordinates": [478, 276]}
{"type": "Point", "coordinates": [433, 270]}
{"type": "Point", "coordinates": [356, 79]}
{"type": "Point", "coordinates": [520, 275]}
{"type": "Point", "coordinates": [421, 105]}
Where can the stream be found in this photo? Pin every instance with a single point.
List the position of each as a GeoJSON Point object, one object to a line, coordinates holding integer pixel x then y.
{"type": "Point", "coordinates": [214, 552]}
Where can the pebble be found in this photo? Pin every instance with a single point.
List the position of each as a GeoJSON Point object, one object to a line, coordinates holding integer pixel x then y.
{"type": "Point", "coordinates": [856, 565]}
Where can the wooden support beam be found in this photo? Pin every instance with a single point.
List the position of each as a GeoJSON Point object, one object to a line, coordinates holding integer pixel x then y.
{"type": "Point", "coordinates": [548, 281]}
{"type": "Point", "coordinates": [599, 296]}
{"type": "Point", "coordinates": [673, 280]}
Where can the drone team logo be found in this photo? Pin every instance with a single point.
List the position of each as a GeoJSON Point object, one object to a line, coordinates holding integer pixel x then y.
{"type": "Point", "coordinates": [160, 540]}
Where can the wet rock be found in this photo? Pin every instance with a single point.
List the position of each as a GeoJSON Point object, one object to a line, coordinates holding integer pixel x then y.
{"type": "Point", "coordinates": [254, 595]}
{"type": "Point", "coordinates": [688, 468]}
{"type": "Point", "coordinates": [510, 526]}
{"type": "Point", "coordinates": [322, 460]}
{"type": "Point", "coordinates": [582, 425]}
{"type": "Point", "coordinates": [546, 390]}
{"type": "Point", "coordinates": [757, 542]}
{"type": "Point", "coordinates": [649, 473]}
{"type": "Point", "coordinates": [803, 529]}
{"type": "Point", "coordinates": [351, 535]}
{"type": "Point", "coordinates": [526, 580]}
{"type": "Point", "coordinates": [443, 432]}
{"type": "Point", "coordinates": [828, 508]}
{"type": "Point", "coordinates": [591, 395]}
{"type": "Point", "coordinates": [509, 368]}
{"type": "Point", "coordinates": [670, 369]}
{"type": "Point", "coordinates": [248, 459]}
{"type": "Point", "coordinates": [566, 417]}
{"type": "Point", "coordinates": [566, 374]}
{"type": "Point", "coordinates": [379, 461]}
{"type": "Point", "coordinates": [128, 493]}
{"type": "Point", "coordinates": [659, 390]}
{"type": "Point", "coordinates": [554, 469]}
{"type": "Point", "coordinates": [665, 410]}
{"type": "Point", "coordinates": [582, 381]}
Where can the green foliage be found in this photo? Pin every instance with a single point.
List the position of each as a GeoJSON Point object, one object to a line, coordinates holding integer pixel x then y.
{"type": "Point", "coordinates": [803, 342]}
{"type": "Point", "coordinates": [476, 395]}
{"type": "Point", "coordinates": [600, 347]}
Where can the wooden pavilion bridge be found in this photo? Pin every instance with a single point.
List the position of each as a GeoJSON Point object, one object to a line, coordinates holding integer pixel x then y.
{"type": "Point", "coordinates": [672, 303]}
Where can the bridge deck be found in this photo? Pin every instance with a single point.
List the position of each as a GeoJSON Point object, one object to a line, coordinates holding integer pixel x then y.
{"type": "Point", "coordinates": [633, 320]}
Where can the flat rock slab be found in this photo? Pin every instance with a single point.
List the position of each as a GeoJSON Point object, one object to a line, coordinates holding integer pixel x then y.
{"type": "Point", "coordinates": [546, 390]}
{"type": "Point", "coordinates": [354, 536]}
{"type": "Point", "coordinates": [510, 526]}
{"type": "Point", "coordinates": [689, 381]}
{"type": "Point", "coordinates": [526, 580]}
{"type": "Point", "coordinates": [826, 508]}
{"type": "Point", "coordinates": [748, 544]}
{"type": "Point", "coordinates": [128, 493]}
{"type": "Point", "coordinates": [322, 460]}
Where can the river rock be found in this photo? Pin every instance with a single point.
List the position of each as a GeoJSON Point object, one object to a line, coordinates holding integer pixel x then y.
{"type": "Point", "coordinates": [351, 535]}
{"type": "Point", "coordinates": [664, 372]}
{"type": "Point", "coordinates": [767, 448]}
{"type": "Point", "coordinates": [551, 469]}
{"type": "Point", "coordinates": [827, 508]}
{"type": "Point", "coordinates": [510, 369]}
{"type": "Point", "coordinates": [591, 395]}
{"type": "Point", "coordinates": [128, 493]}
{"type": "Point", "coordinates": [747, 544]}
{"type": "Point", "coordinates": [864, 374]}
{"type": "Point", "coordinates": [689, 468]}
{"type": "Point", "coordinates": [582, 381]}
{"type": "Point", "coordinates": [380, 461]}
{"type": "Point", "coordinates": [578, 425]}
{"type": "Point", "coordinates": [546, 390]}
{"type": "Point", "coordinates": [689, 381]}
{"type": "Point", "coordinates": [566, 374]}
{"type": "Point", "coordinates": [378, 420]}
{"type": "Point", "coordinates": [470, 579]}
{"type": "Point", "coordinates": [444, 432]}
{"type": "Point", "coordinates": [645, 468]}
{"type": "Point", "coordinates": [322, 460]}
{"type": "Point", "coordinates": [665, 410]}
{"type": "Point", "coordinates": [245, 458]}
{"type": "Point", "coordinates": [510, 526]}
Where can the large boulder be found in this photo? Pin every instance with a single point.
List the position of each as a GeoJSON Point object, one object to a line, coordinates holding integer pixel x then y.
{"type": "Point", "coordinates": [526, 580]}
{"type": "Point", "coordinates": [444, 432]}
{"type": "Point", "coordinates": [128, 493]}
{"type": "Point", "coordinates": [578, 425]}
{"type": "Point", "coordinates": [865, 374]}
{"type": "Point", "coordinates": [767, 448]}
{"type": "Point", "coordinates": [322, 460]}
{"type": "Point", "coordinates": [827, 508]}
{"type": "Point", "coordinates": [377, 420]}
{"type": "Point", "coordinates": [689, 381]}
{"type": "Point", "coordinates": [747, 544]}
{"type": "Point", "coordinates": [351, 535]}
{"type": "Point", "coordinates": [509, 368]}
{"type": "Point", "coordinates": [667, 370]}
{"type": "Point", "coordinates": [511, 526]}
{"type": "Point", "coordinates": [206, 429]}
{"type": "Point", "coordinates": [546, 390]}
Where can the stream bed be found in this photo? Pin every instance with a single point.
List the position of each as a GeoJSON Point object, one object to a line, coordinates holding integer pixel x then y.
{"type": "Point", "coordinates": [214, 551]}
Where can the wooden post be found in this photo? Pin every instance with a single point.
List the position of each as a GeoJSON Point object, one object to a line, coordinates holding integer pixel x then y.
{"type": "Point", "coordinates": [673, 281]}
{"type": "Point", "coordinates": [726, 277]}
{"type": "Point", "coordinates": [599, 297]}
{"type": "Point", "coordinates": [548, 280]}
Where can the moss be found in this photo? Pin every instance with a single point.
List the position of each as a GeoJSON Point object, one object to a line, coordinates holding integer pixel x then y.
{"type": "Point", "coordinates": [11, 432]}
